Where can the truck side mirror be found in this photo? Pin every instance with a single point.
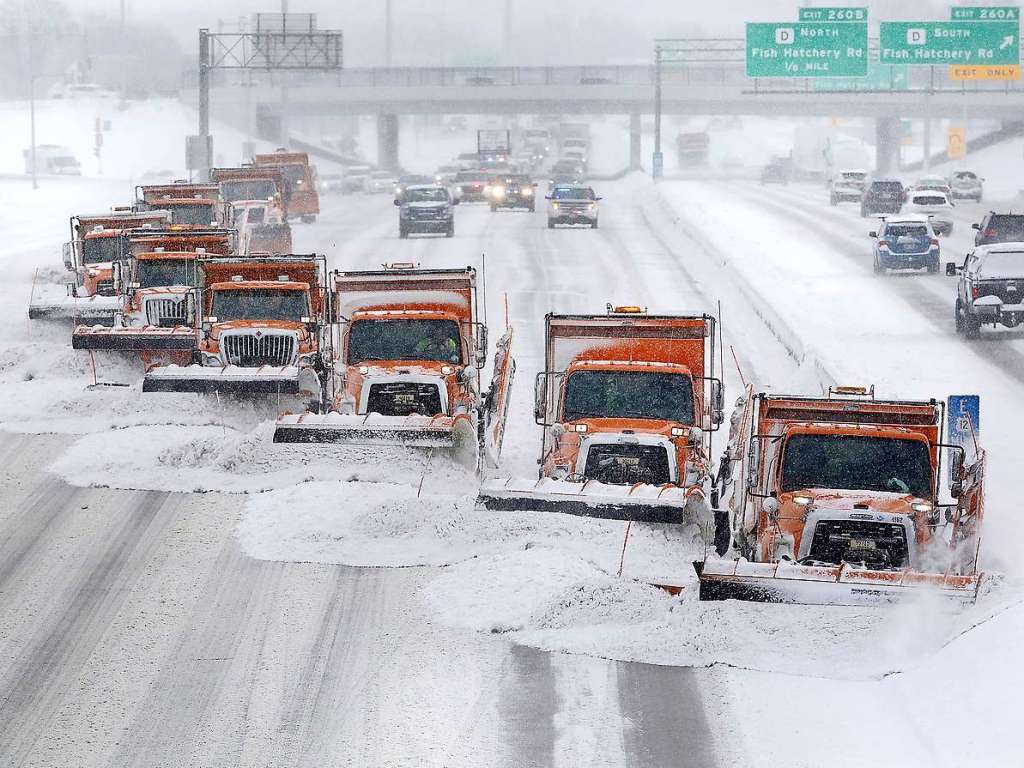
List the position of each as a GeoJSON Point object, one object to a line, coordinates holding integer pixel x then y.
{"type": "Point", "coordinates": [976, 226]}
{"type": "Point", "coordinates": [951, 269]}
{"type": "Point", "coordinates": [872, 234]}
{"type": "Point", "coordinates": [190, 307]}
{"type": "Point", "coordinates": [752, 462]}
{"type": "Point", "coordinates": [66, 252]}
{"type": "Point", "coordinates": [481, 346]}
{"type": "Point", "coordinates": [116, 270]}
{"type": "Point", "coordinates": [397, 201]}
{"type": "Point", "coordinates": [717, 403]}
{"type": "Point", "coordinates": [540, 398]}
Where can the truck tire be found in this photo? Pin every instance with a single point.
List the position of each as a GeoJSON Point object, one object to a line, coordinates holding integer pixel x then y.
{"type": "Point", "coordinates": [723, 536]}
{"type": "Point", "coordinates": [593, 224]}
{"type": "Point", "coordinates": [450, 232]}
{"type": "Point", "coordinates": [309, 218]}
{"type": "Point", "coordinates": [403, 232]}
{"type": "Point", "coordinates": [494, 208]}
{"type": "Point", "coordinates": [551, 224]}
{"type": "Point", "coordinates": [933, 269]}
{"type": "Point", "coordinates": [532, 208]}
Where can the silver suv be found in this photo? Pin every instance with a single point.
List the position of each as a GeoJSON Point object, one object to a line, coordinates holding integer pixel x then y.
{"type": "Point", "coordinates": [572, 204]}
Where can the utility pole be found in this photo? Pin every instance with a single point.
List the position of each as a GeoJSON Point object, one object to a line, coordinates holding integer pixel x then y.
{"type": "Point", "coordinates": [508, 33]}
{"type": "Point", "coordinates": [32, 122]}
{"type": "Point", "coordinates": [204, 103]}
{"type": "Point", "coordinates": [387, 33]}
{"type": "Point", "coordinates": [284, 83]}
{"type": "Point", "coordinates": [657, 161]}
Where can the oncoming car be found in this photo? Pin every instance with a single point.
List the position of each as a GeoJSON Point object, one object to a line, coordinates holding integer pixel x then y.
{"type": "Point", "coordinates": [905, 243]}
{"type": "Point", "coordinates": [572, 204]}
{"type": "Point", "coordinates": [991, 288]}
{"type": "Point", "coordinates": [965, 185]}
{"type": "Point", "coordinates": [424, 208]}
{"type": "Point", "coordinates": [515, 191]}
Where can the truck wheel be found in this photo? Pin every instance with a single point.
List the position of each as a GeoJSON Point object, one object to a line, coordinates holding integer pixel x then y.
{"type": "Point", "coordinates": [532, 208]}
{"type": "Point", "coordinates": [308, 218]}
{"type": "Point", "coordinates": [832, 201]}
{"type": "Point", "coordinates": [403, 232]}
{"type": "Point", "coordinates": [933, 269]}
{"type": "Point", "coordinates": [493, 208]}
{"type": "Point", "coordinates": [450, 232]}
{"type": "Point", "coordinates": [723, 536]}
{"type": "Point", "coordinates": [551, 224]}
{"type": "Point", "coordinates": [593, 224]}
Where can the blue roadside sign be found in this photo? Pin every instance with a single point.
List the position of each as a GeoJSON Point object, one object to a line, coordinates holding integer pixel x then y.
{"type": "Point", "coordinates": [963, 413]}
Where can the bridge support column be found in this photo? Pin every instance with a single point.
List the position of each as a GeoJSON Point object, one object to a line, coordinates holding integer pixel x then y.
{"type": "Point", "coordinates": [387, 141]}
{"type": "Point", "coordinates": [887, 144]}
{"type": "Point", "coordinates": [635, 152]}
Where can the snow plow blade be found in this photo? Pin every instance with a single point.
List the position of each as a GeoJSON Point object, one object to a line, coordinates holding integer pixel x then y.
{"type": "Point", "coordinates": [827, 585]}
{"type": "Point", "coordinates": [98, 310]}
{"type": "Point", "coordinates": [373, 429]}
{"type": "Point", "coordinates": [267, 380]}
{"type": "Point", "coordinates": [640, 503]}
{"type": "Point", "coordinates": [133, 339]}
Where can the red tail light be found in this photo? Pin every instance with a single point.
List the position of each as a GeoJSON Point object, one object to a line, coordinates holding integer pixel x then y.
{"type": "Point", "coordinates": [975, 291]}
{"type": "Point", "coordinates": [935, 242]}
{"type": "Point", "coordinates": [989, 233]}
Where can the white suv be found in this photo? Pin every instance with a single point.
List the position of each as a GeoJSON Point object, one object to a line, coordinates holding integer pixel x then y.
{"type": "Point", "coordinates": [572, 204]}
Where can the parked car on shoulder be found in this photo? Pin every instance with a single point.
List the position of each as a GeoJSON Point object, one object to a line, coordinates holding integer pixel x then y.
{"type": "Point", "coordinates": [934, 205]}
{"type": "Point", "coordinates": [847, 186]}
{"type": "Point", "coordinates": [905, 242]}
{"type": "Point", "coordinates": [990, 290]}
{"type": "Point", "coordinates": [424, 208]}
{"type": "Point", "coordinates": [883, 196]}
{"type": "Point", "coordinates": [999, 228]}
{"type": "Point", "coordinates": [572, 204]}
{"type": "Point", "coordinates": [966, 185]}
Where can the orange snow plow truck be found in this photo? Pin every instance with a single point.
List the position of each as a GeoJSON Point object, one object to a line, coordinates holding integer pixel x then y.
{"type": "Point", "coordinates": [193, 204]}
{"type": "Point", "coordinates": [411, 347]}
{"type": "Point", "coordinates": [259, 199]}
{"type": "Point", "coordinates": [95, 245]}
{"type": "Point", "coordinates": [838, 500]}
{"type": "Point", "coordinates": [261, 328]}
{"type": "Point", "coordinates": [154, 283]}
{"type": "Point", "coordinates": [628, 403]}
{"type": "Point", "coordinates": [300, 182]}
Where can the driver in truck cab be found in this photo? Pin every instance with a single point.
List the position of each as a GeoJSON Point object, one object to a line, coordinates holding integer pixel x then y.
{"type": "Point", "coordinates": [438, 344]}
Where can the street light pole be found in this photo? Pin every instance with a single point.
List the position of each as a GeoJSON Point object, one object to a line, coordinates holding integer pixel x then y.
{"type": "Point", "coordinates": [387, 33]}
{"type": "Point", "coordinates": [657, 162]}
{"type": "Point", "coordinates": [32, 125]}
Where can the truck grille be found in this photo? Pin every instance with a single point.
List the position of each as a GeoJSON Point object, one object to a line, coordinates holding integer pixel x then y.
{"type": "Point", "coordinates": [877, 545]}
{"type": "Point", "coordinates": [251, 351]}
{"type": "Point", "coordinates": [617, 464]}
{"type": "Point", "coordinates": [404, 398]}
{"type": "Point", "coordinates": [166, 313]}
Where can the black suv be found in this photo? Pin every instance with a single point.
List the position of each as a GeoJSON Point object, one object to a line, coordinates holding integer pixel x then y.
{"type": "Point", "coordinates": [885, 196]}
{"type": "Point", "coordinates": [426, 208]}
{"type": "Point", "coordinates": [991, 288]}
{"type": "Point", "coordinates": [513, 191]}
{"type": "Point", "coordinates": [1000, 228]}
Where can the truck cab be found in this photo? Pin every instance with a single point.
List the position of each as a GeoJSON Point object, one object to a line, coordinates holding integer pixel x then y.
{"type": "Point", "coordinates": [195, 205]}
{"type": "Point", "coordinates": [300, 181]}
{"type": "Point", "coordinates": [96, 243]}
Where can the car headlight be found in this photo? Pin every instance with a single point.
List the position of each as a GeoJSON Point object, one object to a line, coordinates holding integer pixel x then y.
{"type": "Point", "coordinates": [590, 206]}
{"type": "Point", "coordinates": [499, 191]}
{"type": "Point", "coordinates": [527, 192]}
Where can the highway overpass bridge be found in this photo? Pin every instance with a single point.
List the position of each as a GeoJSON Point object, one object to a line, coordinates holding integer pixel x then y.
{"type": "Point", "coordinates": [707, 88]}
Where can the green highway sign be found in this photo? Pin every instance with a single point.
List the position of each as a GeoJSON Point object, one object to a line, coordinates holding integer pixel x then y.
{"type": "Point", "coordinates": [834, 14]}
{"type": "Point", "coordinates": [880, 77]}
{"type": "Point", "coordinates": [807, 49]}
{"type": "Point", "coordinates": [988, 13]}
{"type": "Point", "coordinates": [949, 42]}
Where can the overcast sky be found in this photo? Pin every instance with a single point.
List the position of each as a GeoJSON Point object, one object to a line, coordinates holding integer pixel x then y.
{"type": "Point", "coordinates": [472, 31]}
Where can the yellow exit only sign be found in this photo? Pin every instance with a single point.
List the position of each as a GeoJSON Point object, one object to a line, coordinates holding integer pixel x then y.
{"type": "Point", "coordinates": [984, 72]}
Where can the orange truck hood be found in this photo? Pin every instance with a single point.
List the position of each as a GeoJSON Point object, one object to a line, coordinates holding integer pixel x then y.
{"type": "Point", "coordinates": [882, 502]}
{"type": "Point", "coordinates": [617, 426]}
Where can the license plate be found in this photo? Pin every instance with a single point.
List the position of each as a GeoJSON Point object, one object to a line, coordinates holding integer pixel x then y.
{"type": "Point", "coordinates": [862, 543]}
{"type": "Point", "coordinates": [403, 398]}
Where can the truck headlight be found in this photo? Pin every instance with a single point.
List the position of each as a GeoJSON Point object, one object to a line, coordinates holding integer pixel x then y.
{"type": "Point", "coordinates": [527, 192]}
{"type": "Point", "coordinates": [499, 192]}
{"type": "Point", "coordinates": [211, 360]}
{"type": "Point", "coordinates": [305, 360]}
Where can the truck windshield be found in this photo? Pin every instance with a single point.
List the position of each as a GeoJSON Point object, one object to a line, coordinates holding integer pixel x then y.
{"type": "Point", "coordinates": [260, 304]}
{"type": "Point", "coordinates": [856, 463]}
{"type": "Point", "coordinates": [404, 340]}
{"type": "Point", "coordinates": [158, 273]}
{"type": "Point", "coordinates": [193, 213]}
{"type": "Point", "coordinates": [629, 395]}
{"type": "Point", "coordinates": [247, 189]}
{"type": "Point", "coordinates": [96, 250]}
